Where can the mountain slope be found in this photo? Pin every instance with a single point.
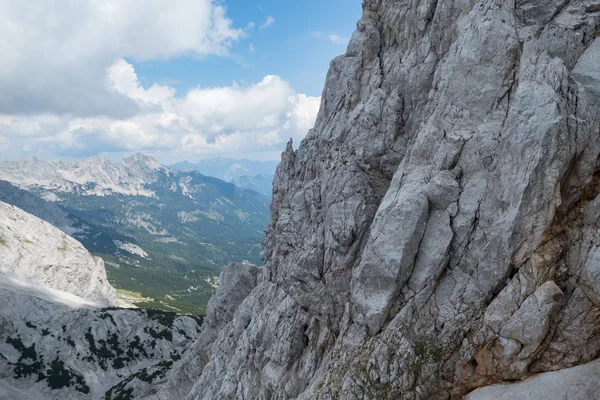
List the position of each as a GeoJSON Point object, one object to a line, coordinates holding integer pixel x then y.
{"type": "Point", "coordinates": [262, 184]}
{"type": "Point", "coordinates": [56, 341]}
{"type": "Point", "coordinates": [229, 169]}
{"type": "Point", "coordinates": [245, 174]}
{"type": "Point", "coordinates": [437, 231]}
{"type": "Point", "coordinates": [35, 250]}
{"type": "Point", "coordinates": [164, 234]}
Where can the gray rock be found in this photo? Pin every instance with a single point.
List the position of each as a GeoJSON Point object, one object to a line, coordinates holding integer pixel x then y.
{"type": "Point", "coordinates": [578, 383]}
{"type": "Point", "coordinates": [436, 231]}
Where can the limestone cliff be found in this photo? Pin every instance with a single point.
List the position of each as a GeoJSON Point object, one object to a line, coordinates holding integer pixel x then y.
{"type": "Point", "coordinates": [36, 251]}
{"type": "Point", "coordinates": [437, 231]}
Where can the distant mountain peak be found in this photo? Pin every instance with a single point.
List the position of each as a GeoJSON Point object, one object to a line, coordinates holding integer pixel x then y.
{"type": "Point", "coordinates": [229, 169]}
{"type": "Point", "coordinates": [141, 158]}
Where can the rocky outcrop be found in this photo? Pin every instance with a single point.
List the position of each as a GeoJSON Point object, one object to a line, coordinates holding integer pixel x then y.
{"type": "Point", "coordinates": [34, 250]}
{"type": "Point", "coordinates": [437, 231]}
{"type": "Point", "coordinates": [577, 383]}
{"type": "Point", "coordinates": [56, 341]}
{"type": "Point", "coordinates": [54, 350]}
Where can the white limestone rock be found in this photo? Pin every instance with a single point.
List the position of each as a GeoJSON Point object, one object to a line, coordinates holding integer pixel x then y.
{"type": "Point", "coordinates": [436, 231]}
{"type": "Point", "coordinates": [34, 250]}
{"type": "Point", "coordinates": [578, 383]}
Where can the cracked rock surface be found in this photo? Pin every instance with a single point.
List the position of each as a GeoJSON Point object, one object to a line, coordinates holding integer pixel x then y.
{"type": "Point", "coordinates": [438, 230]}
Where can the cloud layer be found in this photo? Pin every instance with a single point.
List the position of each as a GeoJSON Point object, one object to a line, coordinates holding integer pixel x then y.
{"type": "Point", "coordinates": [234, 120]}
{"type": "Point", "coordinates": [67, 90]}
{"type": "Point", "coordinates": [54, 54]}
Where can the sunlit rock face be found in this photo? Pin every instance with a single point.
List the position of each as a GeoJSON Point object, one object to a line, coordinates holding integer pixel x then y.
{"type": "Point", "coordinates": [436, 234]}
{"type": "Point", "coordinates": [37, 252]}
{"type": "Point", "coordinates": [437, 231]}
{"type": "Point", "coordinates": [59, 336]}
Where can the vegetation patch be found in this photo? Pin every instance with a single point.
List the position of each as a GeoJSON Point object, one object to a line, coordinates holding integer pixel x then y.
{"type": "Point", "coordinates": [162, 317]}
{"type": "Point", "coordinates": [26, 352]}
{"type": "Point", "coordinates": [136, 345]}
{"type": "Point", "coordinates": [425, 353]}
{"type": "Point", "coordinates": [147, 375]}
{"type": "Point", "coordinates": [108, 316]}
{"type": "Point", "coordinates": [23, 370]}
{"type": "Point", "coordinates": [59, 377]}
{"type": "Point", "coordinates": [101, 352]}
{"type": "Point", "coordinates": [163, 334]}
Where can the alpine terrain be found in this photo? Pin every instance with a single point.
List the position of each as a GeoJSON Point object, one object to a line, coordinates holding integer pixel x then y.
{"type": "Point", "coordinates": [60, 334]}
{"type": "Point", "coordinates": [435, 236]}
{"type": "Point", "coordinates": [246, 174]}
{"type": "Point", "coordinates": [163, 234]}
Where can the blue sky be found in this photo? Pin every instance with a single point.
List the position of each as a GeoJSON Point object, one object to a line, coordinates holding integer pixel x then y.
{"type": "Point", "coordinates": [297, 47]}
{"type": "Point", "coordinates": [184, 79]}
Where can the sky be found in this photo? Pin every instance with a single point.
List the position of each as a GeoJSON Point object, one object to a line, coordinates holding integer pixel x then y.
{"type": "Point", "coordinates": [175, 79]}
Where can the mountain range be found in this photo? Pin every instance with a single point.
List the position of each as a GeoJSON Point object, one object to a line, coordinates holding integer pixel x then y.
{"type": "Point", "coordinates": [436, 235]}
{"type": "Point", "coordinates": [163, 233]}
{"type": "Point", "coordinates": [244, 173]}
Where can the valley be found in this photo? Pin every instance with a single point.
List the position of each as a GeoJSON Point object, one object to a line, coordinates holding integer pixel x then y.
{"type": "Point", "coordinates": [163, 234]}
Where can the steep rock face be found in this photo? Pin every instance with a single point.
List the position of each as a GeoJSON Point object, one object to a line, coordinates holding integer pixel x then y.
{"type": "Point", "coordinates": [34, 250]}
{"type": "Point", "coordinates": [437, 231]}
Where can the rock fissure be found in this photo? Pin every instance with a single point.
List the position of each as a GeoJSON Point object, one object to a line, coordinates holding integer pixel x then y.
{"type": "Point", "coordinates": [437, 230]}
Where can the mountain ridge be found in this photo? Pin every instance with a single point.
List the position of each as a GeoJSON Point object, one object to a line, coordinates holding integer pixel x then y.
{"type": "Point", "coordinates": [228, 169]}
{"type": "Point", "coordinates": [164, 234]}
{"type": "Point", "coordinates": [436, 232]}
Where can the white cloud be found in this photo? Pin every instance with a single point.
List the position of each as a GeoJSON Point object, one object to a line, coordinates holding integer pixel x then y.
{"type": "Point", "coordinates": [268, 22]}
{"type": "Point", "coordinates": [338, 39]}
{"type": "Point", "coordinates": [55, 54]}
{"type": "Point", "coordinates": [123, 79]}
{"type": "Point", "coordinates": [251, 48]}
{"type": "Point", "coordinates": [333, 38]}
{"type": "Point", "coordinates": [68, 92]}
{"type": "Point", "coordinates": [229, 121]}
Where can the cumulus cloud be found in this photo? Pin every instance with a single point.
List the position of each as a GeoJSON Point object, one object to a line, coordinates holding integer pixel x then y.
{"type": "Point", "coordinates": [55, 54]}
{"type": "Point", "coordinates": [232, 120]}
{"type": "Point", "coordinates": [68, 91]}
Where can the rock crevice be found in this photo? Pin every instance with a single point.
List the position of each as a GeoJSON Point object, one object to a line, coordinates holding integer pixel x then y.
{"type": "Point", "coordinates": [437, 230]}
